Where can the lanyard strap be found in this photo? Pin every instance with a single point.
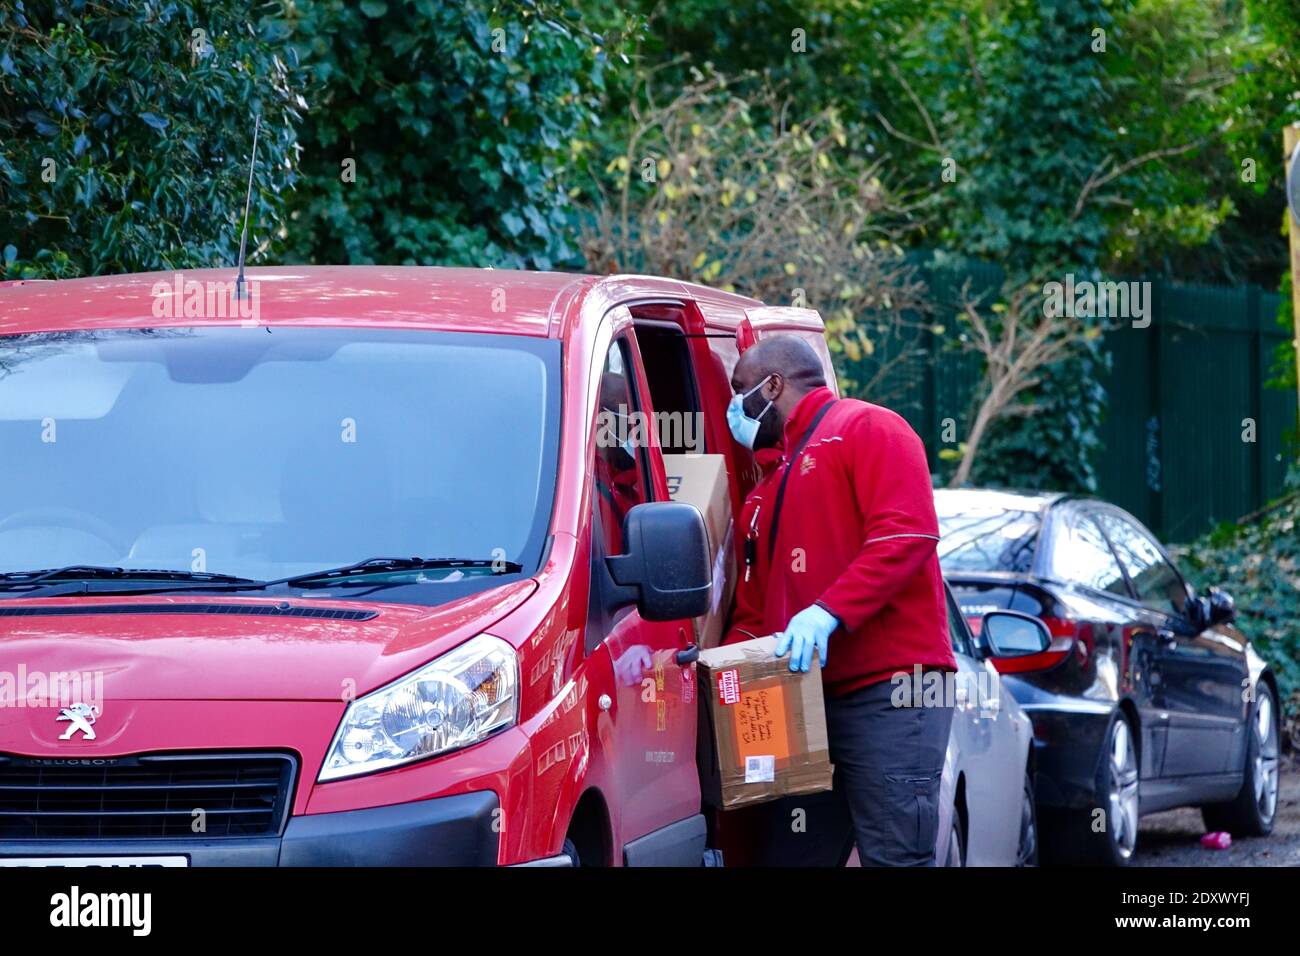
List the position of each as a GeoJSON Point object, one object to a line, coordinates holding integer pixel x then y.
{"type": "Point", "coordinates": [780, 491]}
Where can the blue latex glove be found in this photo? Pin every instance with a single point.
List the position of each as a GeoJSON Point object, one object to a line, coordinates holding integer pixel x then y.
{"type": "Point", "coordinates": [811, 627]}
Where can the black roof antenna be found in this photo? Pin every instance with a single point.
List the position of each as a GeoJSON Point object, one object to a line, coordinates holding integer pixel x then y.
{"type": "Point", "coordinates": [243, 236]}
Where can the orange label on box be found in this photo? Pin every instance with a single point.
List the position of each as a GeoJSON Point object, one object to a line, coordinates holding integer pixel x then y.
{"type": "Point", "coordinates": [761, 724]}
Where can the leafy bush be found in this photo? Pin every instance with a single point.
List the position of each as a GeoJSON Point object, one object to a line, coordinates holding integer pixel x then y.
{"type": "Point", "coordinates": [124, 137]}
{"type": "Point", "coordinates": [714, 183]}
{"type": "Point", "coordinates": [457, 120]}
{"type": "Point", "coordinates": [1258, 562]}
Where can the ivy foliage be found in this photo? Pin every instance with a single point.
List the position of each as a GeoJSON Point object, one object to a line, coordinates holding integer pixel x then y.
{"type": "Point", "coordinates": [1023, 163]}
{"type": "Point", "coordinates": [1258, 562]}
{"type": "Point", "coordinates": [125, 135]}
{"type": "Point", "coordinates": [1027, 98]}
{"type": "Point", "coordinates": [439, 132]}
{"type": "Point", "coordinates": [1266, 97]}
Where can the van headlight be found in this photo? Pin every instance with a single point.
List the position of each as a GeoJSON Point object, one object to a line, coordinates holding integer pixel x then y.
{"type": "Point", "coordinates": [459, 699]}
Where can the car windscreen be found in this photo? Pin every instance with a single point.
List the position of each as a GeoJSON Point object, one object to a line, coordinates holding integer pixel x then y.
{"type": "Point", "coordinates": [990, 538]}
{"type": "Point", "coordinates": [265, 452]}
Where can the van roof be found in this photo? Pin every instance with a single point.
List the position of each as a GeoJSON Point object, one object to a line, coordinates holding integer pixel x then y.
{"type": "Point", "coordinates": [466, 300]}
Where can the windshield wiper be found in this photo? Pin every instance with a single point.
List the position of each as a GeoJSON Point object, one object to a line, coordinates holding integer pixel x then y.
{"type": "Point", "coordinates": [12, 580]}
{"type": "Point", "coordinates": [380, 565]}
{"type": "Point", "coordinates": [173, 581]}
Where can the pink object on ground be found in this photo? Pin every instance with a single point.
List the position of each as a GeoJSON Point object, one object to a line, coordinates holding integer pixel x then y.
{"type": "Point", "coordinates": [1218, 840]}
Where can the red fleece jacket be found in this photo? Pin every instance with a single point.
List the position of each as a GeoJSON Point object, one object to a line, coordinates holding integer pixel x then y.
{"type": "Point", "coordinates": [857, 535]}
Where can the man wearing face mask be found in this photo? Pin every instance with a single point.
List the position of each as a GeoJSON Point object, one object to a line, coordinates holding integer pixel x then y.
{"type": "Point", "coordinates": [839, 559]}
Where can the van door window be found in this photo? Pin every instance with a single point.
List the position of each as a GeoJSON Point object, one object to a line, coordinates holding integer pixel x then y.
{"type": "Point", "coordinates": [674, 394]}
{"type": "Point", "coordinates": [621, 466]}
{"type": "Point", "coordinates": [618, 483]}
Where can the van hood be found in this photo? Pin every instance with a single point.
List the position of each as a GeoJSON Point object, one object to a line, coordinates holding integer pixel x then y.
{"type": "Point", "coordinates": [191, 647]}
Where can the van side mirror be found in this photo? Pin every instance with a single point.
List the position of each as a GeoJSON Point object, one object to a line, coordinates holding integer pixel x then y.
{"type": "Point", "coordinates": [1012, 634]}
{"type": "Point", "coordinates": [666, 568]}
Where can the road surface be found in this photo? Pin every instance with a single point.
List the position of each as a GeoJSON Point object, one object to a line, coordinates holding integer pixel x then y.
{"type": "Point", "coordinates": [1173, 838]}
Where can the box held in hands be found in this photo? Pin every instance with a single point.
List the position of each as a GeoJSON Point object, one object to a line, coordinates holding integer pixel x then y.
{"type": "Point", "coordinates": [762, 727]}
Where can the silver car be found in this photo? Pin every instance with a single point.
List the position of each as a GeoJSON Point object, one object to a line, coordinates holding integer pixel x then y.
{"type": "Point", "coordinates": [986, 813]}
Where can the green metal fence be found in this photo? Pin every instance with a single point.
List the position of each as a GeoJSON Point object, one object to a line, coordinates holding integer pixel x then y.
{"type": "Point", "coordinates": [1180, 450]}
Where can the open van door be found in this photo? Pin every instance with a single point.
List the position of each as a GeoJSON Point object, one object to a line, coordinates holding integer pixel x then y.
{"type": "Point", "coordinates": [763, 321]}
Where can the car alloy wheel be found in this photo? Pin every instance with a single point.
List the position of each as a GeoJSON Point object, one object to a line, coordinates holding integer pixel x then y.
{"type": "Point", "coordinates": [1122, 790]}
{"type": "Point", "coordinates": [1252, 811]}
{"type": "Point", "coordinates": [1266, 758]}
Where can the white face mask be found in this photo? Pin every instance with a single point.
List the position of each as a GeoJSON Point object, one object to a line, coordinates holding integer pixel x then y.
{"type": "Point", "coordinates": [743, 428]}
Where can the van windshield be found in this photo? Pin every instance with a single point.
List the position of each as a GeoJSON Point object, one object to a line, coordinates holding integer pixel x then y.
{"type": "Point", "coordinates": [268, 452]}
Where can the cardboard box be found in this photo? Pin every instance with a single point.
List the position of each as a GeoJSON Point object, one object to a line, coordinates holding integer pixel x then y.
{"type": "Point", "coordinates": [762, 728]}
{"type": "Point", "coordinates": [701, 480]}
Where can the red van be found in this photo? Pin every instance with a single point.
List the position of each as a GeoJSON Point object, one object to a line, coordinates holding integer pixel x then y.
{"type": "Point", "coordinates": [357, 565]}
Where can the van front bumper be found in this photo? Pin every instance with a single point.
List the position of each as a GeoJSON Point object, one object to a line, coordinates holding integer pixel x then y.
{"type": "Point", "coordinates": [460, 830]}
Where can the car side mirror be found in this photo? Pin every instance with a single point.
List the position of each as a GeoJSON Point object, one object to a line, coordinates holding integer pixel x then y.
{"type": "Point", "coordinates": [1012, 634]}
{"type": "Point", "coordinates": [665, 569]}
{"type": "Point", "coordinates": [1216, 608]}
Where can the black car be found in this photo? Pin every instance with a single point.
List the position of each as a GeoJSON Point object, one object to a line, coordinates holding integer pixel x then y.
{"type": "Point", "coordinates": [1147, 698]}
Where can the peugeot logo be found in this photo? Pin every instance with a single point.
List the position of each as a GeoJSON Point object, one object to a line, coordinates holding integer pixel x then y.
{"type": "Point", "coordinates": [82, 717]}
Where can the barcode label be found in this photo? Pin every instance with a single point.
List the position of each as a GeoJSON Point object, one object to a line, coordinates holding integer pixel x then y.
{"type": "Point", "coordinates": [760, 769]}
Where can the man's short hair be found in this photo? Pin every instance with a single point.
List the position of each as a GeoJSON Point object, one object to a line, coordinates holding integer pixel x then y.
{"type": "Point", "coordinates": [789, 356]}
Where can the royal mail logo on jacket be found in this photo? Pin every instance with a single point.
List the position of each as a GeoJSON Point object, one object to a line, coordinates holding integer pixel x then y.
{"type": "Point", "coordinates": [857, 535]}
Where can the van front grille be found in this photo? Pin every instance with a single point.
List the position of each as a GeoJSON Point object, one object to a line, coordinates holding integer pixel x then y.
{"type": "Point", "coordinates": [149, 796]}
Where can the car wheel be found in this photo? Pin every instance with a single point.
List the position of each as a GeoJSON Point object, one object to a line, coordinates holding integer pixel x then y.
{"type": "Point", "coordinates": [956, 843]}
{"type": "Point", "coordinates": [1117, 789]}
{"type": "Point", "coordinates": [1027, 851]}
{"type": "Point", "coordinates": [1254, 809]}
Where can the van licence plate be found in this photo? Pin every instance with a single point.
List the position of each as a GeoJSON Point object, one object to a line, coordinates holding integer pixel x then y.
{"type": "Point", "coordinates": [111, 861]}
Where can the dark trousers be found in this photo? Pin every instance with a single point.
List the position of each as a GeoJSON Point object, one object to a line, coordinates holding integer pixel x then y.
{"type": "Point", "coordinates": [885, 799]}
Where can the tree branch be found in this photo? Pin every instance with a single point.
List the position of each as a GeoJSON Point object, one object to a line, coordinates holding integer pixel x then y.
{"type": "Point", "coordinates": [1096, 181]}
{"type": "Point", "coordinates": [920, 107]}
{"type": "Point", "coordinates": [970, 56]}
